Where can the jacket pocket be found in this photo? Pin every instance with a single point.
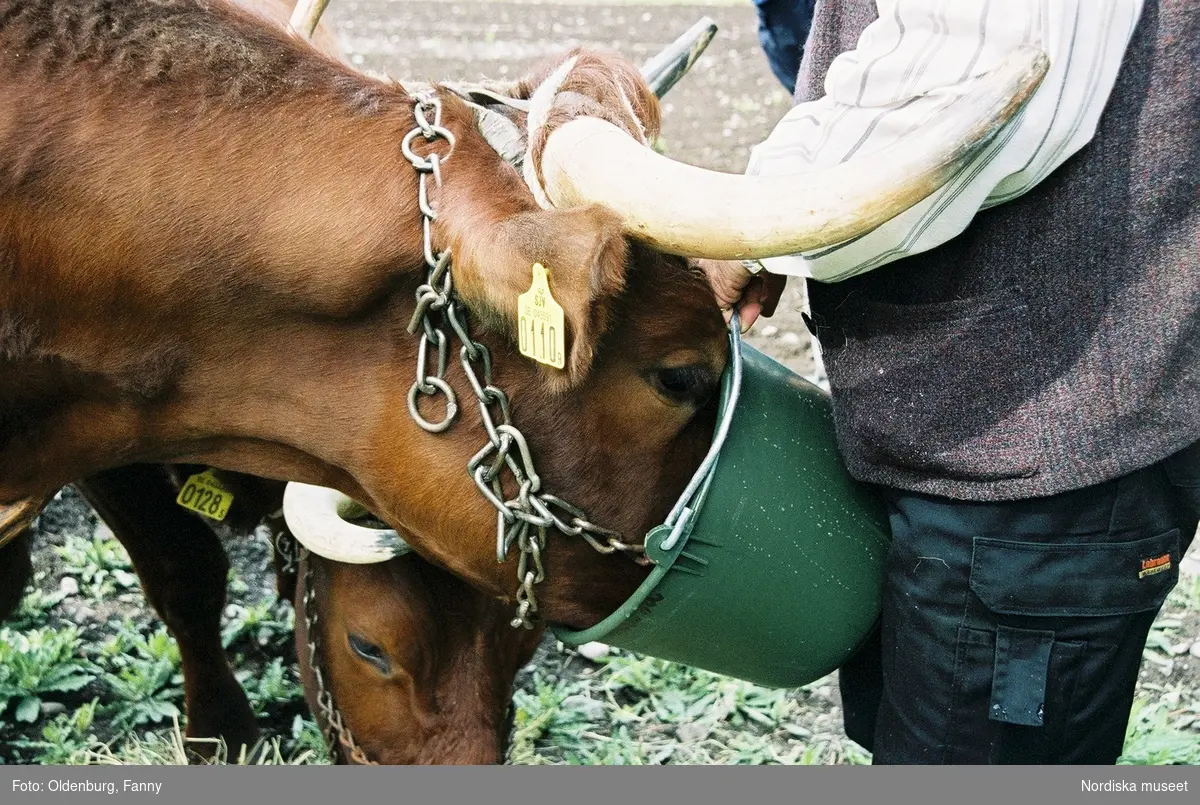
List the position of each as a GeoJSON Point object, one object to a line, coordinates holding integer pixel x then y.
{"type": "Point", "coordinates": [1075, 580]}
{"type": "Point", "coordinates": [939, 389]}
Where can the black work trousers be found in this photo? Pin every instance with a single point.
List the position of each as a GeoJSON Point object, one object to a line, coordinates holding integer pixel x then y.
{"type": "Point", "coordinates": [1013, 632]}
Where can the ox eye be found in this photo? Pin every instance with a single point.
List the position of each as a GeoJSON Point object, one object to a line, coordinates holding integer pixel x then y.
{"type": "Point", "coordinates": [684, 384]}
{"type": "Point", "coordinates": [371, 653]}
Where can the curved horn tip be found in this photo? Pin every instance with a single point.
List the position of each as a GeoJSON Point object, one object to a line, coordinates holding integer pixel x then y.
{"type": "Point", "coordinates": [316, 517]}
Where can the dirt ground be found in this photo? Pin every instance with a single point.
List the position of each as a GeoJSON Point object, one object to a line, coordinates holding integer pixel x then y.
{"type": "Point", "coordinates": [712, 118]}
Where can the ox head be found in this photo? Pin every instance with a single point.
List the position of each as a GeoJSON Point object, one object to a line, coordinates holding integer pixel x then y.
{"type": "Point", "coordinates": [621, 426]}
{"type": "Point", "coordinates": [420, 665]}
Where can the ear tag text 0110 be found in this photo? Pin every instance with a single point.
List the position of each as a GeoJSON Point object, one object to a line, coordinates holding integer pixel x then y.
{"type": "Point", "coordinates": [540, 322]}
{"type": "Point", "coordinates": [204, 494]}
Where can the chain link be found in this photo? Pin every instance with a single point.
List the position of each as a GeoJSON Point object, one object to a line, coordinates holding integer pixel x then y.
{"type": "Point", "coordinates": [333, 726]}
{"type": "Point", "coordinates": [522, 520]}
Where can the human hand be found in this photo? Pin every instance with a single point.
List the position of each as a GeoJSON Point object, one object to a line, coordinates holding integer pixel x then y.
{"type": "Point", "coordinates": [752, 294]}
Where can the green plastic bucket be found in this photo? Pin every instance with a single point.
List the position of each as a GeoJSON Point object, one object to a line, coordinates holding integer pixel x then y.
{"type": "Point", "coordinates": [770, 566]}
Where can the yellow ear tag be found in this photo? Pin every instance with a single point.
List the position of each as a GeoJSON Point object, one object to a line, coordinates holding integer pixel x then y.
{"type": "Point", "coordinates": [540, 322]}
{"type": "Point", "coordinates": [204, 494]}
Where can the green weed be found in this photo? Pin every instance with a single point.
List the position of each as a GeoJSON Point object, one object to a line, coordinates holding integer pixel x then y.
{"type": "Point", "coordinates": [267, 623]}
{"type": "Point", "coordinates": [65, 740]}
{"type": "Point", "coordinates": [35, 605]}
{"type": "Point", "coordinates": [147, 679]}
{"type": "Point", "coordinates": [36, 664]}
{"type": "Point", "coordinates": [273, 686]}
{"type": "Point", "coordinates": [99, 563]}
{"type": "Point", "coordinates": [1153, 737]}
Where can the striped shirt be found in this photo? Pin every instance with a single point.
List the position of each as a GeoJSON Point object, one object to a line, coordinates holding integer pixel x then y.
{"type": "Point", "coordinates": [915, 60]}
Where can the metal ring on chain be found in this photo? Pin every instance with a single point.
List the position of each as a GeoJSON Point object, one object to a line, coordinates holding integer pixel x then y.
{"type": "Point", "coordinates": [444, 388]}
{"type": "Point", "coordinates": [421, 163]}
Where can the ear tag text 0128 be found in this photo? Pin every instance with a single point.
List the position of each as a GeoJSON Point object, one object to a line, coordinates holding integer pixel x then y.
{"type": "Point", "coordinates": [540, 322]}
{"type": "Point", "coordinates": [204, 494]}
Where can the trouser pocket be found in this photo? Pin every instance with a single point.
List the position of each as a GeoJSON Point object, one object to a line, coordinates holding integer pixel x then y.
{"type": "Point", "coordinates": [1049, 653]}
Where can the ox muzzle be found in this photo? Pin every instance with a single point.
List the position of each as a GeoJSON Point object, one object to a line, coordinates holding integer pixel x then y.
{"type": "Point", "coordinates": [770, 566]}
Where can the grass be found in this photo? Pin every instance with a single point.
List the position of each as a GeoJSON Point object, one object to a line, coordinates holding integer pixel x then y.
{"type": "Point", "coordinates": [639, 710]}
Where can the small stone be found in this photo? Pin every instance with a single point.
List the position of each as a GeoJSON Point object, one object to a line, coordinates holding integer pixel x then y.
{"type": "Point", "coordinates": [769, 331]}
{"type": "Point", "coordinates": [593, 651]}
{"type": "Point", "coordinates": [83, 614]}
{"type": "Point", "coordinates": [1195, 649]}
{"type": "Point", "coordinates": [50, 709]}
{"type": "Point", "coordinates": [790, 339]}
{"type": "Point", "coordinates": [585, 706]}
{"type": "Point", "coordinates": [693, 732]}
{"type": "Point", "coordinates": [68, 586]}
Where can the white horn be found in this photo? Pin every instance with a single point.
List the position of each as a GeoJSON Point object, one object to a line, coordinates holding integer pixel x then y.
{"type": "Point", "coordinates": [682, 209]}
{"type": "Point", "coordinates": [305, 16]}
{"type": "Point", "coordinates": [316, 516]}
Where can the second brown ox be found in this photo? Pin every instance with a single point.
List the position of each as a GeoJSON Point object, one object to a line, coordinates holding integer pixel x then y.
{"type": "Point", "coordinates": [419, 666]}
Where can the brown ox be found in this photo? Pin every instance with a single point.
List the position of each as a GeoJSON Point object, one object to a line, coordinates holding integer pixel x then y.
{"type": "Point", "coordinates": [210, 247]}
{"type": "Point", "coordinates": [419, 664]}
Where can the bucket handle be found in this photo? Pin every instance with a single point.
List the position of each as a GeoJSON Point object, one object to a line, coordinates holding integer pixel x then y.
{"type": "Point", "coordinates": [732, 392]}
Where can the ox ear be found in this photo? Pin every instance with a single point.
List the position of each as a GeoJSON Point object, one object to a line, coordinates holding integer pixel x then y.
{"type": "Point", "coordinates": [584, 252]}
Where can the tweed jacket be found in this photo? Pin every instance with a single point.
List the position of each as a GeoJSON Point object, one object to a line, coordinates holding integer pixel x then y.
{"type": "Point", "coordinates": [1056, 343]}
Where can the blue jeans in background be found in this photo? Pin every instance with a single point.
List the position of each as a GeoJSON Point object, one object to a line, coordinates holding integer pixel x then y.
{"type": "Point", "coordinates": [782, 28]}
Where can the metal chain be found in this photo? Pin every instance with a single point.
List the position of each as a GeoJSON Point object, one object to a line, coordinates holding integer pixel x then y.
{"type": "Point", "coordinates": [522, 520]}
{"type": "Point", "coordinates": [285, 546]}
{"type": "Point", "coordinates": [333, 726]}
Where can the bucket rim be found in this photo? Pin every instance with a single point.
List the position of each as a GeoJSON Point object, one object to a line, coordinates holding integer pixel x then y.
{"type": "Point", "coordinates": [665, 542]}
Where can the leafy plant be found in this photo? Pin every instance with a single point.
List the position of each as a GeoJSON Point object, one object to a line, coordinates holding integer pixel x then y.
{"type": "Point", "coordinates": [65, 739]}
{"type": "Point", "coordinates": [147, 679]}
{"type": "Point", "coordinates": [265, 623]}
{"type": "Point", "coordinates": [99, 563]}
{"type": "Point", "coordinates": [271, 687]}
{"type": "Point", "coordinates": [1151, 739]}
{"type": "Point", "coordinates": [36, 602]}
{"type": "Point", "coordinates": [37, 663]}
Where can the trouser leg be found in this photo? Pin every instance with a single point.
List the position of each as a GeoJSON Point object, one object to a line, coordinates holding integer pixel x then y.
{"type": "Point", "coordinates": [1012, 632]}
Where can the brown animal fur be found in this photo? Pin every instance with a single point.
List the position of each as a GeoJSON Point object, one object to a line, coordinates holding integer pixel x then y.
{"type": "Point", "coordinates": [178, 178]}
